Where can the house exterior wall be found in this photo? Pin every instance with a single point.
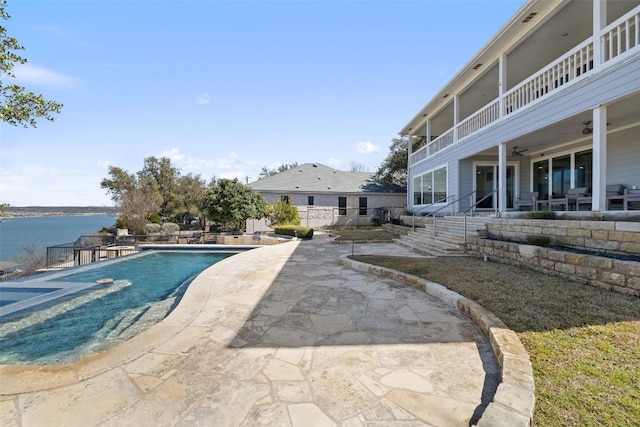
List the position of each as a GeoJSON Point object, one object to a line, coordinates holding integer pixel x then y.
{"type": "Point", "coordinates": [325, 211]}
{"type": "Point", "coordinates": [603, 88]}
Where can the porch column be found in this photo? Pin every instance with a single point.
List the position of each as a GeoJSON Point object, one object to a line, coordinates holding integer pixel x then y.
{"type": "Point", "coordinates": [599, 22]}
{"type": "Point", "coordinates": [502, 177]}
{"type": "Point", "coordinates": [599, 185]}
{"type": "Point", "coordinates": [456, 116]}
{"type": "Point", "coordinates": [502, 83]}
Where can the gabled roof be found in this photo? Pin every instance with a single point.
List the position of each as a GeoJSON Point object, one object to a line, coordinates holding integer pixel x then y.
{"type": "Point", "coordinates": [317, 178]}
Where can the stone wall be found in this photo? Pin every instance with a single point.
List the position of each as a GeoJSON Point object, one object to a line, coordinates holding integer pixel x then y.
{"type": "Point", "coordinates": [599, 236]}
{"type": "Point", "coordinates": [618, 275]}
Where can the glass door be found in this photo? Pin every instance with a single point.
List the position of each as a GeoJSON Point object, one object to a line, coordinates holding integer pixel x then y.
{"type": "Point", "coordinates": [487, 181]}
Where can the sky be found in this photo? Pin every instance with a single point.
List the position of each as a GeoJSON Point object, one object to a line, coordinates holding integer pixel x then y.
{"type": "Point", "coordinates": [224, 88]}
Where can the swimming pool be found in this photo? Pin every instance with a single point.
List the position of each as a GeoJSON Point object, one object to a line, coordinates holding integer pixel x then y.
{"type": "Point", "coordinates": [96, 317]}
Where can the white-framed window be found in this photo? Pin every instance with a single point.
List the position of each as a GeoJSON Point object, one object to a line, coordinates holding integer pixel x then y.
{"type": "Point", "coordinates": [430, 187]}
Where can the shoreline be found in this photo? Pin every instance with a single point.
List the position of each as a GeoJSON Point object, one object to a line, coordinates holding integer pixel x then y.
{"type": "Point", "coordinates": [44, 211]}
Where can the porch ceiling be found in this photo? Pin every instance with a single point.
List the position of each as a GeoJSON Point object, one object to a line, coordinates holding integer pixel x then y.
{"type": "Point", "coordinates": [621, 115]}
{"type": "Point", "coordinates": [524, 36]}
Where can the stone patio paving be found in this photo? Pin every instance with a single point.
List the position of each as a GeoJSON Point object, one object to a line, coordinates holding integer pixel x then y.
{"type": "Point", "coordinates": [280, 336]}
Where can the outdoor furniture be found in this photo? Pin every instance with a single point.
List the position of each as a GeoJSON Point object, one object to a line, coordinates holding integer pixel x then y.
{"type": "Point", "coordinates": [526, 200]}
{"type": "Point", "coordinates": [554, 201]}
{"type": "Point", "coordinates": [631, 196]}
{"type": "Point", "coordinates": [578, 196]}
{"type": "Point", "coordinates": [615, 196]}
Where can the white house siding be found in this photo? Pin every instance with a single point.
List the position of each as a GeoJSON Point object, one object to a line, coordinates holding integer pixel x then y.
{"type": "Point", "coordinates": [602, 88]}
{"type": "Point", "coordinates": [624, 158]}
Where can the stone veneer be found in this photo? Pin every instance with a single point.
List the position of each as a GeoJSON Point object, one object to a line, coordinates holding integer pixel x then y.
{"type": "Point", "coordinates": [614, 237]}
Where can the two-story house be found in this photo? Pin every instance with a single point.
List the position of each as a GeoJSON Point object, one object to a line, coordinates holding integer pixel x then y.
{"type": "Point", "coordinates": [551, 103]}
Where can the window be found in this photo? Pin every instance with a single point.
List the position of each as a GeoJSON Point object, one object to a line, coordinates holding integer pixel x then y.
{"type": "Point", "coordinates": [284, 199]}
{"type": "Point", "coordinates": [310, 201]}
{"type": "Point", "coordinates": [342, 205]}
{"type": "Point", "coordinates": [554, 175]}
{"type": "Point", "coordinates": [417, 190]}
{"type": "Point", "coordinates": [584, 169]}
{"type": "Point", "coordinates": [430, 187]}
{"type": "Point", "coordinates": [363, 206]}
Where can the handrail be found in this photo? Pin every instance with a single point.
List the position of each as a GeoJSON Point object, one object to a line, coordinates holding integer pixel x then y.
{"type": "Point", "coordinates": [473, 206]}
{"type": "Point", "coordinates": [428, 206]}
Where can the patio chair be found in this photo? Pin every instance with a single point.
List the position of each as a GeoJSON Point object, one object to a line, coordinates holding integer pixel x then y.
{"type": "Point", "coordinates": [562, 201]}
{"type": "Point", "coordinates": [578, 196]}
{"type": "Point", "coordinates": [615, 196]}
{"type": "Point", "coordinates": [631, 199]}
{"type": "Point", "coordinates": [526, 200]}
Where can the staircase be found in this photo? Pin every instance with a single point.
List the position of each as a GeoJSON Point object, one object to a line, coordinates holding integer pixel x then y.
{"type": "Point", "coordinates": [448, 238]}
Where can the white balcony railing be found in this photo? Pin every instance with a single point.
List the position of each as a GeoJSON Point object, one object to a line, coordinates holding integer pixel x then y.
{"type": "Point", "coordinates": [441, 142]}
{"type": "Point", "coordinates": [569, 67]}
{"type": "Point", "coordinates": [479, 119]}
{"type": "Point", "coordinates": [621, 36]}
{"type": "Point", "coordinates": [619, 39]}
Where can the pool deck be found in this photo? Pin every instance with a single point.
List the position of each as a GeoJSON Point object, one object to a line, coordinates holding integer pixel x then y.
{"type": "Point", "coordinates": [281, 335]}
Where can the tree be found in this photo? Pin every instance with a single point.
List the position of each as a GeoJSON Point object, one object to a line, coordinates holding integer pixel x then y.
{"type": "Point", "coordinates": [17, 106]}
{"type": "Point", "coordinates": [282, 212]}
{"type": "Point", "coordinates": [266, 172]}
{"type": "Point", "coordinates": [191, 196]}
{"type": "Point", "coordinates": [138, 204]}
{"type": "Point", "coordinates": [3, 206]}
{"type": "Point", "coordinates": [231, 203]}
{"type": "Point", "coordinates": [120, 182]}
{"type": "Point", "coordinates": [161, 176]}
{"type": "Point", "coordinates": [357, 167]}
{"type": "Point", "coordinates": [393, 170]}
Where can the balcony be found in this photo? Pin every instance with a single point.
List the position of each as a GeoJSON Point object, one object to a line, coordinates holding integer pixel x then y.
{"type": "Point", "coordinates": [617, 42]}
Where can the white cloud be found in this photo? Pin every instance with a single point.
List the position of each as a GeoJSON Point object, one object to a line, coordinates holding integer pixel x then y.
{"type": "Point", "coordinates": [204, 99]}
{"type": "Point", "coordinates": [367, 147]}
{"type": "Point", "coordinates": [41, 76]}
{"type": "Point", "coordinates": [103, 164]}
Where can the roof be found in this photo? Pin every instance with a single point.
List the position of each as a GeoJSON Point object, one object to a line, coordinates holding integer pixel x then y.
{"type": "Point", "coordinates": [317, 178]}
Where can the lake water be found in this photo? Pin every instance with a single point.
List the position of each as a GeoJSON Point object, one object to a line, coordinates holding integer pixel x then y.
{"type": "Point", "coordinates": [43, 231]}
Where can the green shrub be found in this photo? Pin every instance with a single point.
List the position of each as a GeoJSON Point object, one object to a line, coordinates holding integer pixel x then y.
{"type": "Point", "coordinates": [282, 212]}
{"type": "Point", "coordinates": [155, 218]}
{"type": "Point", "coordinates": [542, 215]}
{"type": "Point", "coordinates": [538, 240]}
{"type": "Point", "coordinates": [295, 230]}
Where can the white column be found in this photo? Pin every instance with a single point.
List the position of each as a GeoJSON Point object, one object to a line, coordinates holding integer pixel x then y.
{"type": "Point", "coordinates": [599, 22]}
{"type": "Point", "coordinates": [456, 116]}
{"type": "Point", "coordinates": [502, 83]}
{"type": "Point", "coordinates": [428, 131]}
{"type": "Point", "coordinates": [502, 177]}
{"type": "Point", "coordinates": [599, 185]}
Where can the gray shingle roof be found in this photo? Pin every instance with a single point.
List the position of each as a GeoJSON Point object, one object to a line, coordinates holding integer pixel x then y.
{"type": "Point", "coordinates": [317, 178]}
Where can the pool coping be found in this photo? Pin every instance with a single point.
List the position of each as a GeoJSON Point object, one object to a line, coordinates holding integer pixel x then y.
{"type": "Point", "coordinates": [20, 379]}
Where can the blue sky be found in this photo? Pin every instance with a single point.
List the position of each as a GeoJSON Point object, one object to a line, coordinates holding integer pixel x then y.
{"type": "Point", "coordinates": [225, 88]}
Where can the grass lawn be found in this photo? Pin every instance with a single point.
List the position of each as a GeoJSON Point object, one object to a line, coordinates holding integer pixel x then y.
{"type": "Point", "coordinates": [584, 342]}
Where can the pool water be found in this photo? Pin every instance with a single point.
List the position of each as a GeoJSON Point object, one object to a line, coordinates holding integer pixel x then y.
{"type": "Point", "coordinates": [144, 290]}
{"type": "Point", "coordinates": [11, 295]}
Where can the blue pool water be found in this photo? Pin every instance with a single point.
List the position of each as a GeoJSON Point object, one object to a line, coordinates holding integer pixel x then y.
{"type": "Point", "coordinates": [11, 295]}
{"type": "Point", "coordinates": [144, 290]}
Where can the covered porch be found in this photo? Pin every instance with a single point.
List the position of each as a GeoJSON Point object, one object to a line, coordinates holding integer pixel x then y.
{"type": "Point", "coordinates": [588, 162]}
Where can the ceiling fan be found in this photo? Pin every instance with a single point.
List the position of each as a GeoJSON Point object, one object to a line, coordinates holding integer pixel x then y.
{"type": "Point", "coordinates": [516, 152]}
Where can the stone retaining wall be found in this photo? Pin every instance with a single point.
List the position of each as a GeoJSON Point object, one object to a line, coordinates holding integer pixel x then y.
{"type": "Point", "coordinates": [602, 236]}
{"type": "Point", "coordinates": [617, 275]}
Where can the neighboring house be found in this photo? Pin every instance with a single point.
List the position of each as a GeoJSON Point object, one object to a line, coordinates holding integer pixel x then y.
{"type": "Point", "coordinates": [550, 103]}
{"type": "Point", "coordinates": [326, 196]}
